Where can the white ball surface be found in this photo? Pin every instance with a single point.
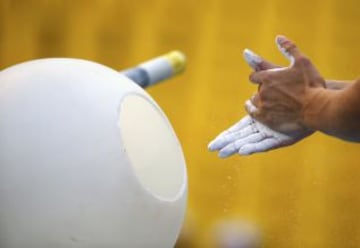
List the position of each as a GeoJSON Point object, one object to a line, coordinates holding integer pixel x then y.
{"type": "Point", "coordinates": [87, 159]}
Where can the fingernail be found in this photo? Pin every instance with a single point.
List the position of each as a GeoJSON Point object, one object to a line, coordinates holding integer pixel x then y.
{"type": "Point", "coordinates": [252, 58]}
{"type": "Point", "coordinates": [222, 155]}
{"type": "Point", "coordinates": [211, 146]}
{"type": "Point", "coordinates": [250, 107]}
{"type": "Point", "coordinates": [280, 39]}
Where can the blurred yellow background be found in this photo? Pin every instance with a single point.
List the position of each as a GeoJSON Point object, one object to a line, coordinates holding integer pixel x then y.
{"type": "Point", "coordinates": [307, 195]}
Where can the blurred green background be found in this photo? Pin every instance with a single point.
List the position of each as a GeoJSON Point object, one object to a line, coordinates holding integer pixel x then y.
{"type": "Point", "coordinates": [307, 195]}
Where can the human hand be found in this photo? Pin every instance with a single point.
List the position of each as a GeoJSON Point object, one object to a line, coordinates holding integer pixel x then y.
{"type": "Point", "coordinates": [285, 92]}
{"type": "Point", "coordinates": [249, 136]}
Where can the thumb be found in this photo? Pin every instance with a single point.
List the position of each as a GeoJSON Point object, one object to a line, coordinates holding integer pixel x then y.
{"type": "Point", "coordinates": [256, 62]}
{"type": "Point", "coordinates": [287, 48]}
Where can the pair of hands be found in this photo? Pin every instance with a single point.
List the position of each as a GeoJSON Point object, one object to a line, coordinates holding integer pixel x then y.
{"type": "Point", "coordinates": [276, 112]}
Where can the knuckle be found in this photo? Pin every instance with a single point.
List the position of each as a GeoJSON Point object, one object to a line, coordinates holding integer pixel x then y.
{"type": "Point", "coordinates": [251, 77]}
{"type": "Point", "coordinates": [303, 60]}
{"type": "Point", "coordinates": [255, 113]}
{"type": "Point", "coordinates": [266, 77]}
{"type": "Point", "coordinates": [248, 109]}
{"type": "Point", "coordinates": [263, 97]}
{"type": "Point", "coordinates": [289, 45]}
{"type": "Point", "coordinates": [255, 100]}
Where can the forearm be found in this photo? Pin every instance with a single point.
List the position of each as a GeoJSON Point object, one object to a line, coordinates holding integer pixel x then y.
{"type": "Point", "coordinates": [336, 113]}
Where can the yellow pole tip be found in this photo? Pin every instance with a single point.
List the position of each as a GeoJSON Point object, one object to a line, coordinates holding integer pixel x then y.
{"type": "Point", "coordinates": [177, 60]}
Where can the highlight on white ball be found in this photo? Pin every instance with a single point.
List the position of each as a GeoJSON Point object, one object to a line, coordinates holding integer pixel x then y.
{"type": "Point", "coordinates": [87, 159]}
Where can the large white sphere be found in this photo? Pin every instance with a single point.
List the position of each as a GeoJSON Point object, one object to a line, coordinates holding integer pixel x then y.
{"type": "Point", "coordinates": [87, 159]}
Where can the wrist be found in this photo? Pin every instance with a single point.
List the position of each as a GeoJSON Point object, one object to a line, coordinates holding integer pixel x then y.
{"type": "Point", "coordinates": [334, 112]}
{"type": "Point", "coordinates": [320, 109]}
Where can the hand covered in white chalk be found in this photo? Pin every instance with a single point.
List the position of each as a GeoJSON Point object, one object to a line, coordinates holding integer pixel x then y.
{"type": "Point", "coordinates": [249, 136]}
